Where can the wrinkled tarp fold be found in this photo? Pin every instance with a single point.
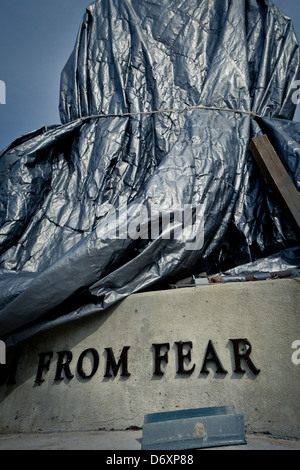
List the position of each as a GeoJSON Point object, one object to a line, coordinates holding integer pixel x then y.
{"type": "Point", "coordinates": [60, 186]}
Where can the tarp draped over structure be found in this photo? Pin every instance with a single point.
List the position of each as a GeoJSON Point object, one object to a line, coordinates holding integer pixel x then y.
{"type": "Point", "coordinates": [65, 188]}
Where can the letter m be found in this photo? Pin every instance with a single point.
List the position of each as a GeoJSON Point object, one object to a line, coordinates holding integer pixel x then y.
{"type": "Point", "coordinates": [112, 365]}
{"type": "Point", "coordinates": [8, 372]}
{"type": "Point", "coordinates": [2, 92]}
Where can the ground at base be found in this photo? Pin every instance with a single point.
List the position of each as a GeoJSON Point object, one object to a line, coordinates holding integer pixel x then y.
{"type": "Point", "coordinates": [121, 441]}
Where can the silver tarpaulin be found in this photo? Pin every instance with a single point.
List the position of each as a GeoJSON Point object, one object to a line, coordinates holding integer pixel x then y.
{"type": "Point", "coordinates": [159, 101]}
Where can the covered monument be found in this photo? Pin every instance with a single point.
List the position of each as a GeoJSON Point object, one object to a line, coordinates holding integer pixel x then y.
{"type": "Point", "coordinates": [159, 101]}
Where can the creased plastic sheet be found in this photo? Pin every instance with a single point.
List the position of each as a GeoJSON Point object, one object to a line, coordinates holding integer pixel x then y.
{"type": "Point", "coordinates": [286, 260]}
{"type": "Point", "coordinates": [78, 200]}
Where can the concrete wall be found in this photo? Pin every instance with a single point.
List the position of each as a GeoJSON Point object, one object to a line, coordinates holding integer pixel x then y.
{"type": "Point", "coordinates": [266, 313]}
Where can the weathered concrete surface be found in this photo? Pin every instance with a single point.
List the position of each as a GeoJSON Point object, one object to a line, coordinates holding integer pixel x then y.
{"type": "Point", "coordinates": [266, 313]}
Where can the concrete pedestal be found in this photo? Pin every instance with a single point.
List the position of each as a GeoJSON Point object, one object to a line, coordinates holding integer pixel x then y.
{"type": "Point", "coordinates": [162, 351]}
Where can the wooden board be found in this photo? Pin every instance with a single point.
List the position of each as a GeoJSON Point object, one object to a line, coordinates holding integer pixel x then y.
{"type": "Point", "coordinates": [278, 179]}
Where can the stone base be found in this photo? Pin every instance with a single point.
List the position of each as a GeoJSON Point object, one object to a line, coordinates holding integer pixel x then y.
{"type": "Point", "coordinates": [228, 344]}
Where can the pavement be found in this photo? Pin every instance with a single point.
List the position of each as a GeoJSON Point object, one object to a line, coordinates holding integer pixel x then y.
{"type": "Point", "coordinates": [121, 441]}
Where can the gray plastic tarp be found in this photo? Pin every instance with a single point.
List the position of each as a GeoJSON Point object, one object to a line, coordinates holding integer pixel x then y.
{"type": "Point", "coordinates": [183, 86]}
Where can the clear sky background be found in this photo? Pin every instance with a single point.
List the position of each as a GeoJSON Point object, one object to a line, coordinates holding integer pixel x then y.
{"type": "Point", "coordinates": [36, 39]}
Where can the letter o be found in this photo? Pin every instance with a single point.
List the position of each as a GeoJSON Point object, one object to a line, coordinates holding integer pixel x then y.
{"type": "Point", "coordinates": [96, 360]}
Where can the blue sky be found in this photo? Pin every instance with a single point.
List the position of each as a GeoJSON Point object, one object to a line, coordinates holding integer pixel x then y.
{"type": "Point", "coordinates": [36, 39]}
